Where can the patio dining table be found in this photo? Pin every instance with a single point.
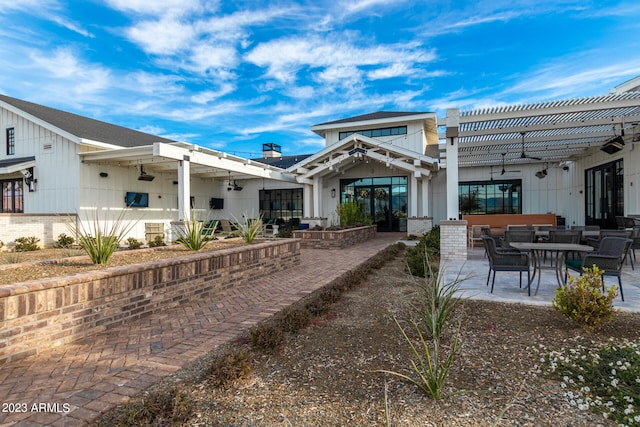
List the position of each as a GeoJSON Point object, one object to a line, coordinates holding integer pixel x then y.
{"type": "Point", "coordinates": [559, 249]}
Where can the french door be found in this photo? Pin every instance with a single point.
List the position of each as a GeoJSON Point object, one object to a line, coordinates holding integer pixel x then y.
{"type": "Point", "coordinates": [604, 194]}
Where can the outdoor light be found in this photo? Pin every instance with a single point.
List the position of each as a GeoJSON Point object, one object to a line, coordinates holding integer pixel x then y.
{"type": "Point", "coordinates": [104, 174]}
{"type": "Point", "coordinates": [145, 176]}
{"type": "Point", "coordinates": [613, 145]}
{"type": "Point", "coordinates": [541, 174]}
{"type": "Point", "coordinates": [333, 193]}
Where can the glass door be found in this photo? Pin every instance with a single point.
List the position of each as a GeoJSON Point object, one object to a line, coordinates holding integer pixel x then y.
{"type": "Point", "coordinates": [604, 194]}
{"type": "Point", "coordinates": [380, 208]}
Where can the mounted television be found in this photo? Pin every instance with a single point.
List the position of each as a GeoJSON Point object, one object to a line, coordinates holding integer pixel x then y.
{"type": "Point", "coordinates": [136, 200]}
{"type": "Point", "coordinates": [216, 203]}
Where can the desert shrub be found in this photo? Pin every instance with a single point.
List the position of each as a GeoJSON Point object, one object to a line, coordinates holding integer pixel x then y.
{"type": "Point", "coordinates": [293, 319]}
{"type": "Point", "coordinates": [316, 306]}
{"type": "Point", "coordinates": [415, 257]}
{"type": "Point", "coordinates": [27, 244]}
{"type": "Point", "coordinates": [101, 241]}
{"type": "Point", "coordinates": [432, 359]}
{"type": "Point", "coordinates": [134, 243]}
{"type": "Point", "coordinates": [157, 241]}
{"type": "Point", "coordinates": [583, 301]}
{"type": "Point", "coordinates": [10, 258]}
{"type": "Point", "coordinates": [266, 336]}
{"type": "Point", "coordinates": [64, 241]}
{"type": "Point", "coordinates": [226, 369]}
{"type": "Point", "coordinates": [250, 228]}
{"type": "Point", "coordinates": [170, 406]}
{"type": "Point", "coordinates": [193, 236]}
{"type": "Point", "coordinates": [286, 231]}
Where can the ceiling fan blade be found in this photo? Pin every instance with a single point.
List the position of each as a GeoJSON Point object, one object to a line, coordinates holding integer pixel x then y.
{"type": "Point", "coordinates": [503, 172]}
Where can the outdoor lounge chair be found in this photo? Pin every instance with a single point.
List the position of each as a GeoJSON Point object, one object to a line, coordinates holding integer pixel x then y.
{"type": "Point", "coordinates": [609, 257]}
{"type": "Point", "coordinates": [506, 261]}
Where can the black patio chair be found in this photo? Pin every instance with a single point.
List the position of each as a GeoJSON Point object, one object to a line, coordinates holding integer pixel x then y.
{"type": "Point", "coordinates": [520, 236]}
{"type": "Point", "coordinates": [564, 236]}
{"type": "Point", "coordinates": [609, 257]}
{"type": "Point", "coordinates": [505, 261]}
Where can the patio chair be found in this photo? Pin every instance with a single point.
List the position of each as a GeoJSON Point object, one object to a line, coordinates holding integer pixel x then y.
{"type": "Point", "coordinates": [635, 236]}
{"type": "Point", "coordinates": [209, 229]}
{"type": "Point", "coordinates": [564, 236]}
{"type": "Point", "coordinates": [526, 236]}
{"type": "Point", "coordinates": [505, 261]}
{"type": "Point", "coordinates": [609, 257]}
{"type": "Point", "coordinates": [475, 231]}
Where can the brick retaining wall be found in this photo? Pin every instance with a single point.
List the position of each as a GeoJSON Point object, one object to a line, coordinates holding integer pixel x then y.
{"type": "Point", "coordinates": [334, 239]}
{"type": "Point", "coordinates": [41, 314]}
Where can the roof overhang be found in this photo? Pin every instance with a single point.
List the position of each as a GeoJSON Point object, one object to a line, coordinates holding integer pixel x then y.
{"type": "Point", "coordinates": [205, 163]}
{"type": "Point", "coordinates": [10, 166]}
{"type": "Point", "coordinates": [355, 148]}
{"type": "Point", "coordinates": [551, 132]}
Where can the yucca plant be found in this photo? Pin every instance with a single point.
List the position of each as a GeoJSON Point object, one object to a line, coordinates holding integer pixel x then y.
{"type": "Point", "coordinates": [250, 228]}
{"type": "Point", "coordinates": [101, 241]}
{"type": "Point", "coordinates": [193, 236]}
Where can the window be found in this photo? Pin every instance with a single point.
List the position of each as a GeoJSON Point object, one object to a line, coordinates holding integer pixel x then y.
{"type": "Point", "coordinates": [11, 141]}
{"type": "Point", "coordinates": [12, 196]}
{"type": "Point", "coordinates": [490, 197]}
{"type": "Point", "coordinates": [282, 204]}
{"type": "Point", "coordinates": [375, 133]}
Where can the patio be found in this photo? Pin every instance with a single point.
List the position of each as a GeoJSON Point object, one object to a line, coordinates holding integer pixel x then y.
{"type": "Point", "coordinates": [506, 289]}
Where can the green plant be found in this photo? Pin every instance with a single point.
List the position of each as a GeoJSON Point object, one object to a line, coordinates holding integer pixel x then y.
{"type": "Point", "coordinates": [435, 300]}
{"type": "Point", "coordinates": [64, 241]}
{"type": "Point", "coordinates": [170, 406]}
{"type": "Point", "coordinates": [192, 236]}
{"type": "Point", "coordinates": [602, 377]}
{"type": "Point", "coordinates": [266, 336]}
{"type": "Point", "coordinates": [583, 301]}
{"type": "Point", "coordinates": [157, 241]}
{"type": "Point", "coordinates": [107, 238]}
{"type": "Point", "coordinates": [294, 319]}
{"type": "Point", "coordinates": [134, 243]}
{"type": "Point", "coordinates": [250, 228]}
{"type": "Point", "coordinates": [10, 258]}
{"type": "Point", "coordinates": [429, 242]}
{"type": "Point", "coordinates": [352, 213]}
{"type": "Point", "coordinates": [27, 244]}
{"type": "Point", "coordinates": [230, 367]}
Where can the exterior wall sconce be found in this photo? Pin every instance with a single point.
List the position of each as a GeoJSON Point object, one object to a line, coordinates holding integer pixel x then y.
{"type": "Point", "coordinates": [104, 174]}
{"type": "Point", "coordinates": [541, 174]}
{"type": "Point", "coordinates": [333, 193]}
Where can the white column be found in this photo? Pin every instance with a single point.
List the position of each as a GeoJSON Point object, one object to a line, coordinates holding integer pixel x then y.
{"type": "Point", "coordinates": [317, 189]}
{"type": "Point", "coordinates": [307, 197]}
{"type": "Point", "coordinates": [413, 197]}
{"type": "Point", "coordinates": [425, 195]}
{"type": "Point", "coordinates": [184, 190]}
{"type": "Point", "coordinates": [452, 121]}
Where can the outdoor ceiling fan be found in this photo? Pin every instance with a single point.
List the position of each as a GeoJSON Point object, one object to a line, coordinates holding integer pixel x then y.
{"type": "Point", "coordinates": [503, 171]}
{"type": "Point", "coordinates": [524, 155]}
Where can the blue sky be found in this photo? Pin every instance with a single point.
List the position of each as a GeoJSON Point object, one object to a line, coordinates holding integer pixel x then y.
{"type": "Point", "coordinates": [232, 75]}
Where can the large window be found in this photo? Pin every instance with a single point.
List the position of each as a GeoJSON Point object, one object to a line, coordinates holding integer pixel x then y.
{"type": "Point", "coordinates": [282, 204]}
{"type": "Point", "coordinates": [11, 141]}
{"type": "Point", "coordinates": [604, 194]}
{"type": "Point", "coordinates": [12, 196]}
{"type": "Point", "coordinates": [384, 199]}
{"type": "Point", "coordinates": [375, 133]}
{"type": "Point", "coordinates": [490, 197]}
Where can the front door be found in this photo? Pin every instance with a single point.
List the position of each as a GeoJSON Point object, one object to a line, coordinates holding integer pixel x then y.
{"type": "Point", "coordinates": [604, 194]}
{"type": "Point", "coordinates": [380, 208]}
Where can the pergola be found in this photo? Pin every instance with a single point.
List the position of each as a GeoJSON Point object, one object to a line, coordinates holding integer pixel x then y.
{"type": "Point", "coordinates": [547, 132]}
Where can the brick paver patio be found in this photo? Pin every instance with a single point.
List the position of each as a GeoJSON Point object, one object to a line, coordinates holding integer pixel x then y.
{"type": "Point", "coordinates": [93, 375]}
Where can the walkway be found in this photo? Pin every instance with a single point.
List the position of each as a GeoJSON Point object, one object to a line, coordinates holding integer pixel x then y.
{"type": "Point", "coordinates": [93, 375]}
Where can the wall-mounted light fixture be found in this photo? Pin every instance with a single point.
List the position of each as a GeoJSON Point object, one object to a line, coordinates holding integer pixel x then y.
{"type": "Point", "coordinates": [541, 174]}
{"type": "Point", "coordinates": [613, 145]}
{"type": "Point", "coordinates": [145, 176]}
{"type": "Point", "coordinates": [104, 174]}
{"type": "Point", "coordinates": [333, 193]}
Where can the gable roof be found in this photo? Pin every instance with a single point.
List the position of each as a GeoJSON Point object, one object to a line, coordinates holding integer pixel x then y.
{"type": "Point", "coordinates": [379, 115]}
{"type": "Point", "coordinates": [84, 127]}
{"type": "Point", "coordinates": [283, 162]}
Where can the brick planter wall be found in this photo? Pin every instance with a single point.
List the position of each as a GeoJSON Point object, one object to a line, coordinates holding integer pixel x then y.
{"type": "Point", "coordinates": [334, 239]}
{"type": "Point", "coordinates": [49, 312]}
{"type": "Point", "coordinates": [453, 240]}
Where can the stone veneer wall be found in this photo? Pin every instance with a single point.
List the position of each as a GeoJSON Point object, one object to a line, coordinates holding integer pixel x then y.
{"type": "Point", "coordinates": [334, 239]}
{"type": "Point", "coordinates": [44, 313]}
{"type": "Point", "coordinates": [45, 227]}
{"type": "Point", "coordinates": [453, 240]}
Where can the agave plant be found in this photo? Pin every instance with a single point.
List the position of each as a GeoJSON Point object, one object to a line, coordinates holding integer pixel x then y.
{"type": "Point", "coordinates": [194, 236]}
{"type": "Point", "coordinates": [250, 228]}
{"type": "Point", "coordinates": [101, 239]}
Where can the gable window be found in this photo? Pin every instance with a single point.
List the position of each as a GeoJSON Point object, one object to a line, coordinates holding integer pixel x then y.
{"type": "Point", "coordinates": [11, 141]}
{"type": "Point", "coordinates": [375, 133]}
{"type": "Point", "coordinates": [12, 196]}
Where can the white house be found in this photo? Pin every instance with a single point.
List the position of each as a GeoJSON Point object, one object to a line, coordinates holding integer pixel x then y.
{"type": "Point", "coordinates": [575, 158]}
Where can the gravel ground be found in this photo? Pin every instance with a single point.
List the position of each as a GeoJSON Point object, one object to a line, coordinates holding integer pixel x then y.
{"type": "Point", "coordinates": [329, 373]}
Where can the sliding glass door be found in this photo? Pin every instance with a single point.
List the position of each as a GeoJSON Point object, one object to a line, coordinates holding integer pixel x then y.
{"type": "Point", "coordinates": [604, 187]}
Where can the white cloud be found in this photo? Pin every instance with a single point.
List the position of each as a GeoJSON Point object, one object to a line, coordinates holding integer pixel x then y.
{"type": "Point", "coordinates": [64, 64]}
{"type": "Point", "coordinates": [7, 6]}
{"type": "Point", "coordinates": [164, 37]}
{"type": "Point", "coordinates": [162, 7]}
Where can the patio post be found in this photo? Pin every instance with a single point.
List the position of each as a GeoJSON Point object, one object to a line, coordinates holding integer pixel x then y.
{"type": "Point", "coordinates": [184, 189]}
